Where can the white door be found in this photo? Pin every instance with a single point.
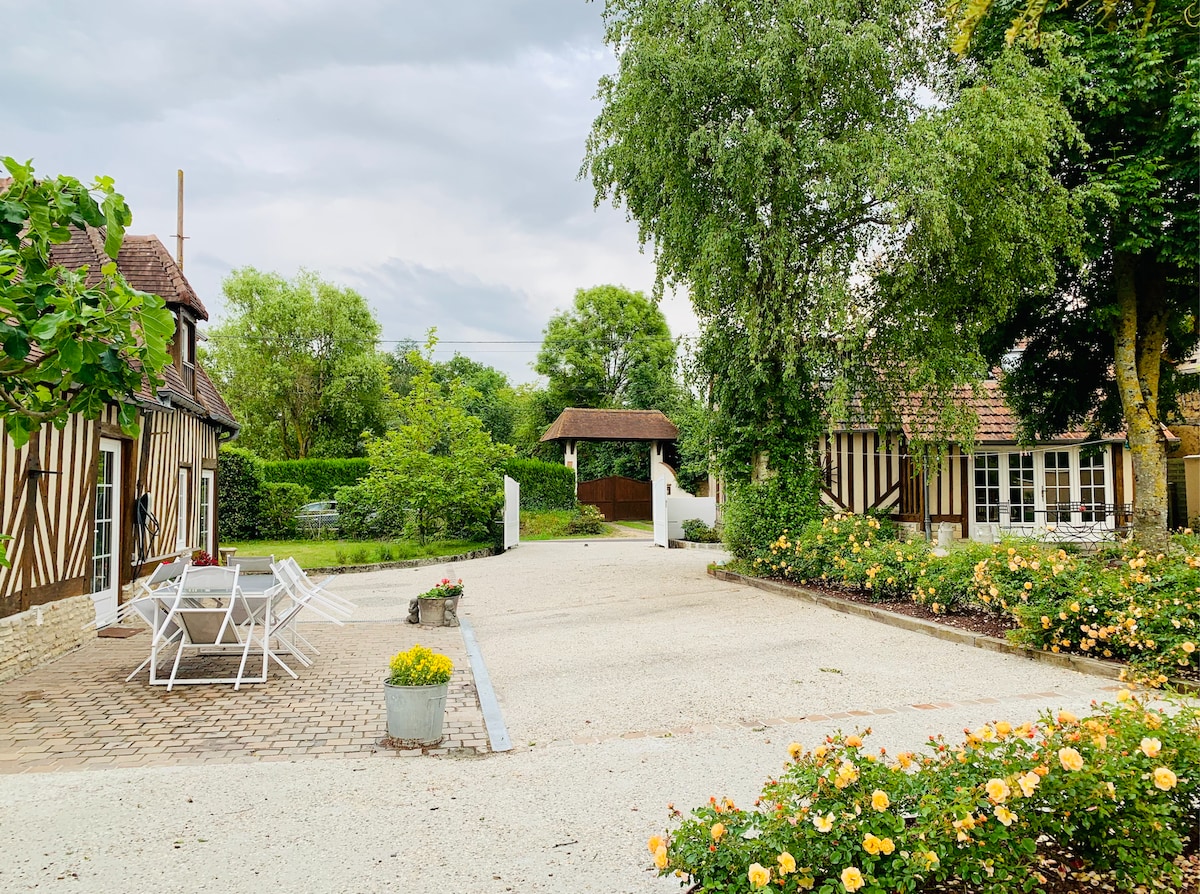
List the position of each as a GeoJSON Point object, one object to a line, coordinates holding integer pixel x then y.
{"type": "Point", "coordinates": [208, 505]}
{"type": "Point", "coordinates": [106, 544]}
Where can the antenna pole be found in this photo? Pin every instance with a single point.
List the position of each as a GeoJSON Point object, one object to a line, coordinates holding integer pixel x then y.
{"type": "Point", "coordinates": [179, 225]}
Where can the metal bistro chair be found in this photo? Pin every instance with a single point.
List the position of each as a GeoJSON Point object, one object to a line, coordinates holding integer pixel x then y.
{"type": "Point", "coordinates": [210, 628]}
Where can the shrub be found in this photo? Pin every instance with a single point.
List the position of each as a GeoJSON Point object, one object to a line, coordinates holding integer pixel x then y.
{"type": "Point", "coordinates": [544, 485]}
{"type": "Point", "coordinates": [757, 513]}
{"type": "Point", "coordinates": [1138, 607]}
{"type": "Point", "coordinates": [698, 532]}
{"type": "Point", "coordinates": [239, 494]}
{"type": "Point", "coordinates": [277, 509]}
{"type": "Point", "coordinates": [322, 477]}
{"type": "Point", "coordinates": [981, 813]}
{"type": "Point", "coordinates": [588, 520]}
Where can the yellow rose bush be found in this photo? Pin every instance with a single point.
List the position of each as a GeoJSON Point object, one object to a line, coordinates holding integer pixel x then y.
{"type": "Point", "coordinates": [1118, 603]}
{"type": "Point", "coordinates": [977, 816]}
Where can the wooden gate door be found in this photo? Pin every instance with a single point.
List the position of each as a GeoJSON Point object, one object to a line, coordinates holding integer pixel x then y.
{"type": "Point", "coordinates": [617, 498]}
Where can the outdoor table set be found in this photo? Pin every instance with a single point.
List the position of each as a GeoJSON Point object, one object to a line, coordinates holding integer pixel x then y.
{"type": "Point", "coordinates": [247, 610]}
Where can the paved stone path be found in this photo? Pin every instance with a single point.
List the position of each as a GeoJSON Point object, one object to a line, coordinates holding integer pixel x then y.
{"type": "Point", "coordinates": [79, 713]}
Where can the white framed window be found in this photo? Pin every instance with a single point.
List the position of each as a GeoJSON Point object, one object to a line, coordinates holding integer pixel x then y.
{"type": "Point", "coordinates": [987, 487]}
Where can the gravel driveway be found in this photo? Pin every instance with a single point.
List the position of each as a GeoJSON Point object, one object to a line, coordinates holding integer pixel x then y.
{"type": "Point", "coordinates": [628, 678]}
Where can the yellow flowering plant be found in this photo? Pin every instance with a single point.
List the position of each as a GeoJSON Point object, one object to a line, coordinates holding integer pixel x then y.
{"type": "Point", "coordinates": [980, 814]}
{"type": "Point", "coordinates": [419, 666]}
{"type": "Point", "coordinates": [1117, 603]}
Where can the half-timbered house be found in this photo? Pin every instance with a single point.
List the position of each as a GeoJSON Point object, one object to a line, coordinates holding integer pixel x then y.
{"type": "Point", "coordinates": [89, 508]}
{"type": "Point", "coordinates": [1073, 487]}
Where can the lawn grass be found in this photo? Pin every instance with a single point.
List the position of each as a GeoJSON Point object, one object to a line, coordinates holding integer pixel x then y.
{"type": "Point", "coordinates": [638, 525]}
{"type": "Point", "coordinates": [552, 525]}
{"type": "Point", "coordinates": [336, 553]}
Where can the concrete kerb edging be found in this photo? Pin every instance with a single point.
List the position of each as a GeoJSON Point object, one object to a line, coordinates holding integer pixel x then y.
{"type": "Point", "coordinates": [407, 563]}
{"type": "Point", "coordinates": [1095, 667]}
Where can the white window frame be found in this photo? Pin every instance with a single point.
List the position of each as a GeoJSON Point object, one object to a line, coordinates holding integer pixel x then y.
{"type": "Point", "coordinates": [183, 511]}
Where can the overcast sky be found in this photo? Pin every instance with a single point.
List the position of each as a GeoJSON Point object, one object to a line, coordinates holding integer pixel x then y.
{"type": "Point", "coordinates": [424, 154]}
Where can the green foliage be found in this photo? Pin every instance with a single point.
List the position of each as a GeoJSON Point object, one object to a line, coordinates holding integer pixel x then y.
{"type": "Point", "coordinates": [755, 513]}
{"type": "Point", "coordinates": [587, 520]}
{"type": "Point", "coordinates": [322, 477]}
{"type": "Point", "coordinates": [698, 532]}
{"type": "Point", "coordinates": [332, 553]}
{"type": "Point", "coordinates": [555, 524]}
{"type": "Point", "coordinates": [296, 361]}
{"type": "Point", "coordinates": [70, 347]}
{"type": "Point", "coordinates": [239, 494]}
{"type": "Point", "coordinates": [1121, 604]}
{"type": "Point", "coordinates": [487, 394]}
{"type": "Point", "coordinates": [444, 589]}
{"type": "Point", "coordinates": [437, 474]}
{"type": "Point", "coordinates": [278, 504]}
{"type": "Point", "coordinates": [603, 459]}
{"type": "Point", "coordinates": [544, 485]}
{"type": "Point", "coordinates": [979, 815]}
{"type": "Point", "coordinates": [612, 349]}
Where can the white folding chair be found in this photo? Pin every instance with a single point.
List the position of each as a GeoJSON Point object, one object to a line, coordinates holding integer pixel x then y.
{"type": "Point", "coordinates": [210, 629]}
{"type": "Point", "coordinates": [345, 606]}
{"type": "Point", "coordinates": [252, 564]}
{"type": "Point", "coordinates": [290, 598]}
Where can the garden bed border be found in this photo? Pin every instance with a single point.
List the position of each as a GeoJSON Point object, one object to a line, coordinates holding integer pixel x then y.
{"type": "Point", "coordinates": [407, 563]}
{"type": "Point", "coordinates": [1081, 663]}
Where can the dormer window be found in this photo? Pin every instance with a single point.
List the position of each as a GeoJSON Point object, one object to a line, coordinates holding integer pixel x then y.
{"type": "Point", "coordinates": [186, 332]}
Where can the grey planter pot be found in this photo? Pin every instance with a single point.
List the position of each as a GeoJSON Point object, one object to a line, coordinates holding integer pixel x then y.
{"type": "Point", "coordinates": [415, 713]}
{"type": "Point", "coordinates": [433, 612]}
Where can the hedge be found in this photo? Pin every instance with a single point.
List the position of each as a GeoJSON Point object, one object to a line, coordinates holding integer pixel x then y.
{"type": "Point", "coordinates": [279, 501]}
{"type": "Point", "coordinates": [322, 477]}
{"type": "Point", "coordinates": [239, 494]}
{"type": "Point", "coordinates": [544, 486]}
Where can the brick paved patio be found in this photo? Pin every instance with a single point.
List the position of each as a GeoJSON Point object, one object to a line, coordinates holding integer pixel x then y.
{"type": "Point", "coordinates": [78, 712]}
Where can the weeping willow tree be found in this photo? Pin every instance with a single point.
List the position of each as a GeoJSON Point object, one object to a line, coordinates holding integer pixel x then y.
{"type": "Point", "coordinates": [875, 215]}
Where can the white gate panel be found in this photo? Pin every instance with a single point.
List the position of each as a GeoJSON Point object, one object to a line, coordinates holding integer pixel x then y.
{"type": "Point", "coordinates": [684, 507]}
{"type": "Point", "coordinates": [512, 513]}
{"type": "Point", "coordinates": [658, 506]}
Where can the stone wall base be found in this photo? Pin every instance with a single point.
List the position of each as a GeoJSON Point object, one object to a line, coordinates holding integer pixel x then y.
{"type": "Point", "coordinates": [33, 637]}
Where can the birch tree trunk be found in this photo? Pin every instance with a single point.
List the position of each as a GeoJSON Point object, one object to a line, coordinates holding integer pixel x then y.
{"type": "Point", "coordinates": [1141, 332]}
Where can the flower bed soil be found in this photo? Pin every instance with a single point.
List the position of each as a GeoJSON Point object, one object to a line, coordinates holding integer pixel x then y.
{"type": "Point", "coordinates": [973, 620]}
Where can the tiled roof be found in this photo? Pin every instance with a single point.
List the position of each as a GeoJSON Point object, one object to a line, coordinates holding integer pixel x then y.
{"type": "Point", "coordinates": [142, 260]}
{"type": "Point", "coordinates": [148, 267]}
{"type": "Point", "coordinates": [611, 425]}
{"type": "Point", "coordinates": [998, 424]}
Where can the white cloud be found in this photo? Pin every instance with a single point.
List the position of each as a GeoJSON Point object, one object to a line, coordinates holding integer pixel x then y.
{"type": "Point", "coordinates": [424, 154]}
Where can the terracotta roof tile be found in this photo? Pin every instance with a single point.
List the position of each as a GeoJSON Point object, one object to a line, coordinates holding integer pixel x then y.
{"type": "Point", "coordinates": [998, 424]}
{"type": "Point", "coordinates": [611, 425]}
{"type": "Point", "coordinates": [143, 261]}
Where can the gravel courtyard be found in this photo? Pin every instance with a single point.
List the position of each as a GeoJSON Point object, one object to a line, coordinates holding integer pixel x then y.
{"type": "Point", "coordinates": [627, 678]}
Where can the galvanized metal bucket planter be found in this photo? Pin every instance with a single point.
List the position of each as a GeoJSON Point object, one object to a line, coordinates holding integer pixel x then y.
{"type": "Point", "coordinates": [415, 713]}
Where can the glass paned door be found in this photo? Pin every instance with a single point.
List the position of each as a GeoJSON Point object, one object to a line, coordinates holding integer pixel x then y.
{"type": "Point", "coordinates": [206, 511]}
{"type": "Point", "coordinates": [1020, 488]}
{"type": "Point", "coordinates": [106, 538]}
{"type": "Point", "coordinates": [1093, 491]}
{"type": "Point", "coordinates": [987, 487]}
{"type": "Point", "coordinates": [1058, 486]}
